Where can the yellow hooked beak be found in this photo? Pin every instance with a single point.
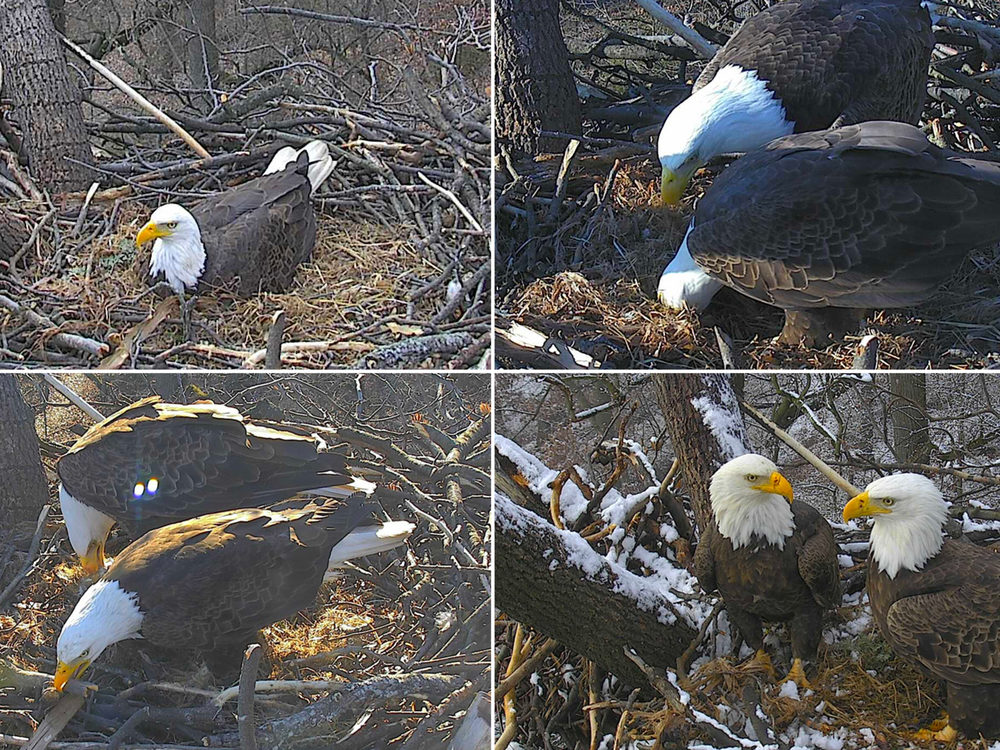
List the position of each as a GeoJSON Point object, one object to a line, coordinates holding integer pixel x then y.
{"type": "Point", "coordinates": [861, 506]}
{"type": "Point", "coordinates": [67, 672]}
{"type": "Point", "coordinates": [778, 485]}
{"type": "Point", "coordinates": [673, 184]}
{"type": "Point", "coordinates": [149, 233]}
{"type": "Point", "coordinates": [93, 561]}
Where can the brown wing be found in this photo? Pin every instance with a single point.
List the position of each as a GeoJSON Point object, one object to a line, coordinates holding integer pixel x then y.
{"type": "Point", "coordinates": [862, 216]}
{"type": "Point", "coordinates": [830, 60]}
{"type": "Point", "coordinates": [203, 457]}
{"type": "Point", "coordinates": [257, 235]}
{"type": "Point", "coordinates": [949, 618]}
{"type": "Point", "coordinates": [817, 558]}
{"type": "Point", "coordinates": [704, 559]}
{"type": "Point", "coordinates": [220, 578]}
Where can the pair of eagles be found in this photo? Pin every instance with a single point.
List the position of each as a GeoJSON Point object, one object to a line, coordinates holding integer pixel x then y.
{"type": "Point", "coordinates": [839, 204]}
{"type": "Point", "coordinates": [936, 600]}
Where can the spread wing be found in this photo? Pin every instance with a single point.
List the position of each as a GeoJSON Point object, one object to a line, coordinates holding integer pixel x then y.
{"type": "Point", "coordinates": [950, 621]}
{"type": "Point", "coordinates": [831, 60]}
{"type": "Point", "coordinates": [259, 232]}
{"type": "Point", "coordinates": [862, 216]}
{"type": "Point", "coordinates": [204, 458]}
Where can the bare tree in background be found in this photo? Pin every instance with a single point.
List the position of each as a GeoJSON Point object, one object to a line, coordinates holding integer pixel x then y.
{"type": "Point", "coordinates": [910, 423]}
{"type": "Point", "coordinates": [46, 98]}
{"type": "Point", "coordinates": [24, 490]}
{"type": "Point", "coordinates": [534, 89]}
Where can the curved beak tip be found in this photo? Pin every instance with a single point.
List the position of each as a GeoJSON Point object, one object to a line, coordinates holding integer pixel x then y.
{"type": "Point", "coordinates": [856, 507]}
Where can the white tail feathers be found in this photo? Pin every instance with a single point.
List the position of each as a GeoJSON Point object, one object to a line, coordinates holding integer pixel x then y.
{"type": "Point", "coordinates": [367, 540]}
{"type": "Point", "coordinates": [321, 164]}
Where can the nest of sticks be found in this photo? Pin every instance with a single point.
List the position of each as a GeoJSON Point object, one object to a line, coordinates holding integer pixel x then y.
{"type": "Point", "coordinates": [399, 277]}
{"type": "Point", "coordinates": [393, 656]}
{"type": "Point", "coordinates": [583, 239]}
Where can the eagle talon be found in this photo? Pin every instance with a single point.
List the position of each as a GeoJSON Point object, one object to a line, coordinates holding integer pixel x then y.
{"type": "Point", "coordinates": [763, 659]}
{"type": "Point", "coordinates": [798, 675]}
{"type": "Point", "coordinates": [939, 731]}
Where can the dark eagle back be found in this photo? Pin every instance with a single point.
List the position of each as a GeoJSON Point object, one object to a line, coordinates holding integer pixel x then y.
{"type": "Point", "coordinates": [836, 61]}
{"type": "Point", "coordinates": [204, 457]}
{"type": "Point", "coordinates": [258, 234]}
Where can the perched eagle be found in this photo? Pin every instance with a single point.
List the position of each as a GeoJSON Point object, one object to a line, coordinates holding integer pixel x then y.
{"type": "Point", "coordinates": [154, 463]}
{"type": "Point", "coordinates": [936, 600]}
{"type": "Point", "coordinates": [769, 558]}
{"type": "Point", "coordinates": [247, 239]}
{"type": "Point", "coordinates": [797, 66]}
{"type": "Point", "coordinates": [824, 225]}
{"type": "Point", "coordinates": [215, 580]}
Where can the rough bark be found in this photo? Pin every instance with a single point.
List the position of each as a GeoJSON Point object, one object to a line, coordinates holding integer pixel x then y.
{"type": "Point", "coordinates": [202, 46]}
{"type": "Point", "coordinates": [540, 586]}
{"type": "Point", "coordinates": [58, 10]}
{"type": "Point", "coordinates": [911, 440]}
{"type": "Point", "coordinates": [701, 450]}
{"type": "Point", "coordinates": [24, 490]}
{"type": "Point", "coordinates": [535, 88]}
{"type": "Point", "coordinates": [47, 102]}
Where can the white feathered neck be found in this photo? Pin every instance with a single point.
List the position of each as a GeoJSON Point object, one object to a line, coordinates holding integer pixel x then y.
{"type": "Point", "coordinates": [104, 615]}
{"type": "Point", "coordinates": [84, 524]}
{"type": "Point", "coordinates": [741, 512]}
{"type": "Point", "coordinates": [911, 534]}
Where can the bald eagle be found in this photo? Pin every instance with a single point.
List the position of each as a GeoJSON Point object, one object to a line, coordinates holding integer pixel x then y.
{"type": "Point", "coordinates": [827, 224]}
{"type": "Point", "coordinates": [247, 239]}
{"type": "Point", "coordinates": [215, 580]}
{"type": "Point", "coordinates": [154, 463]}
{"type": "Point", "coordinates": [769, 558]}
{"type": "Point", "coordinates": [797, 66]}
{"type": "Point", "coordinates": [935, 600]}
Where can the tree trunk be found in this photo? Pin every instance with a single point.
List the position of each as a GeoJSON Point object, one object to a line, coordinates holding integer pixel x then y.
{"type": "Point", "coordinates": [46, 98]}
{"type": "Point", "coordinates": [535, 88]}
{"type": "Point", "coordinates": [24, 490]}
{"type": "Point", "coordinates": [202, 47]}
{"type": "Point", "coordinates": [911, 439]}
{"type": "Point", "coordinates": [706, 429]}
{"type": "Point", "coordinates": [543, 585]}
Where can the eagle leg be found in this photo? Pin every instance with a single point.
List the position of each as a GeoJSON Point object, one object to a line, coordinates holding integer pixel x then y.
{"type": "Point", "coordinates": [820, 326]}
{"type": "Point", "coordinates": [946, 733]}
{"type": "Point", "coordinates": [763, 659]}
{"type": "Point", "coordinates": [186, 306]}
{"type": "Point", "coordinates": [798, 675]}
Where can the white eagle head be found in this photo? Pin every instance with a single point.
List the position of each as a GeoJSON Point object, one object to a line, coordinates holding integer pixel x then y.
{"type": "Point", "coordinates": [751, 497]}
{"type": "Point", "coordinates": [105, 614]}
{"type": "Point", "coordinates": [88, 530]}
{"type": "Point", "coordinates": [178, 251]}
{"type": "Point", "coordinates": [908, 514]}
{"type": "Point", "coordinates": [734, 113]}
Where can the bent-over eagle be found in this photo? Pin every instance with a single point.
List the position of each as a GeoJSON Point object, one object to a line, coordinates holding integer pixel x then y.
{"type": "Point", "coordinates": [770, 559]}
{"type": "Point", "coordinates": [216, 580]}
{"type": "Point", "coordinates": [247, 239]}
{"type": "Point", "coordinates": [154, 463]}
{"type": "Point", "coordinates": [936, 600]}
{"type": "Point", "coordinates": [826, 224]}
{"type": "Point", "coordinates": [797, 66]}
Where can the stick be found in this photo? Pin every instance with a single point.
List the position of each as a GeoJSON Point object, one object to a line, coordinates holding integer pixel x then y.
{"type": "Point", "coordinates": [272, 360]}
{"type": "Point", "coordinates": [454, 199]}
{"type": "Point", "coordinates": [69, 340]}
{"type": "Point", "coordinates": [72, 396]}
{"type": "Point", "coordinates": [139, 99]}
{"type": "Point", "coordinates": [54, 722]}
{"type": "Point", "coordinates": [513, 678]}
{"type": "Point", "coordinates": [697, 42]}
{"type": "Point", "coordinates": [824, 468]}
{"type": "Point", "coordinates": [32, 551]}
{"type": "Point", "coordinates": [244, 711]}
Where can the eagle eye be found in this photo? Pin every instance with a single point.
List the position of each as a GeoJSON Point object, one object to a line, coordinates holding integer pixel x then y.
{"type": "Point", "coordinates": [888, 502]}
{"type": "Point", "coordinates": [752, 477]}
{"type": "Point", "coordinates": [171, 224]}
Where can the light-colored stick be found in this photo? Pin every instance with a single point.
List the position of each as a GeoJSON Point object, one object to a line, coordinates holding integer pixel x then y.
{"type": "Point", "coordinates": [278, 686]}
{"type": "Point", "coordinates": [697, 42]}
{"type": "Point", "coordinates": [454, 199]}
{"type": "Point", "coordinates": [824, 468]}
{"type": "Point", "coordinates": [72, 396]}
{"type": "Point", "coordinates": [139, 99]}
